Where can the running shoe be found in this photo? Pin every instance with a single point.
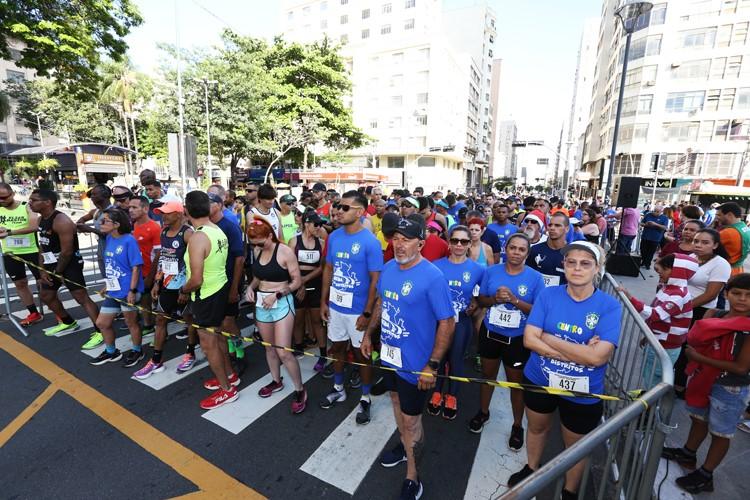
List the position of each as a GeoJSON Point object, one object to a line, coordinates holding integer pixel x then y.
{"type": "Point", "coordinates": [392, 458]}
{"type": "Point", "coordinates": [147, 330]}
{"type": "Point", "coordinates": [132, 358]}
{"type": "Point", "coordinates": [149, 370]}
{"type": "Point", "coordinates": [515, 441]}
{"type": "Point", "coordinates": [219, 398]}
{"type": "Point", "coordinates": [106, 357]}
{"type": "Point", "coordinates": [181, 335]}
{"type": "Point", "coordinates": [519, 476]}
{"type": "Point", "coordinates": [411, 490]}
{"type": "Point", "coordinates": [212, 384]}
{"type": "Point", "coordinates": [363, 415]}
{"type": "Point", "coordinates": [269, 389]}
{"type": "Point", "coordinates": [320, 365]}
{"type": "Point", "coordinates": [328, 371]}
{"type": "Point", "coordinates": [332, 398]}
{"type": "Point", "coordinates": [299, 401]}
{"type": "Point", "coordinates": [450, 408]}
{"type": "Point", "coordinates": [435, 404]}
{"type": "Point", "coordinates": [95, 340]}
{"type": "Point", "coordinates": [680, 456]}
{"type": "Point", "coordinates": [355, 380]}
{"type": "Point", "coordinates": [32, 318]}
{"type": "Point", "coordinates": [299, 350]}
{"type": "Point", "coordinates": [744, 426]}
{"type": "Point", "coordinates": [477, 423]}
{"type": "Point", "coordinates": [61, 327]}
{"type": "Point", "coordinates": [188, 360]}
{"type": "Point", "coordinates": [696, 482]}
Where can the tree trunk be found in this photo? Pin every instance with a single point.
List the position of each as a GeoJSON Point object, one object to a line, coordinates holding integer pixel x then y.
{"type": "Point", "coordinates": [135, 137]}
{"type": "Point", "coordinates": [304, 157]}
{"type": "Point", "coordinates": [127, 143]}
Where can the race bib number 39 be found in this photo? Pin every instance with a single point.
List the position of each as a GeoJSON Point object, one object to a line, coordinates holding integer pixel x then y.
{"type": "Point", "coordinates": [505, 318]}
{"type": "Point", "coordinates": [567, 383]}
{"type": "Point", "coordinates": [342, 299]}
{"type": "Point", "coordinates": [391, 354]}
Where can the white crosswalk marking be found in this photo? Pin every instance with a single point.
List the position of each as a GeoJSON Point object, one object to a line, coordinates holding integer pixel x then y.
{"type": "Point", "coordinates": [249, 407]}
{"type": "Point", "coordinates": [342, 460]}
{"type": "Point", "coordinates": [124, 343]}
{"type": "Point", "coordinates": [67, 304]}
{"type": "Point", "coordinates": [494, 462]}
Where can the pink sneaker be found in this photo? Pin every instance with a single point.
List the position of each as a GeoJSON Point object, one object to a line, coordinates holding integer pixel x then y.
{"type": "Point", "coordinates": [188, 360]}
{"type": "Point", "coordinates": [269, 389]}
{"type": "Point", "coordinates": [299, 402]}
{"type": "Point", "coordinates": [149, 370]}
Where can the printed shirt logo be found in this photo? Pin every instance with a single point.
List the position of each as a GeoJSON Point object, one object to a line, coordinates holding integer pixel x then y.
{"type": "Point", "coordinates": [355, 248]}
{"type": "Point", "coordinates": [119, 250]}
{"type": "Point", "coordinates": [406, 288]}
{"type": "Point", "coordinates": [523, 290]}
{"type": "Point", "coordinates": [392, 325]}
{"type": "Point", "coordinates": [539, 259]}
{"type": "Point", "coordinates": [343, 276]}
{"type": "Point", "coordinates": [175, 244]}
{"type": "Point", "coordinates": [467, 276]}
{"type": "Point", "coordinates": [591, 320]}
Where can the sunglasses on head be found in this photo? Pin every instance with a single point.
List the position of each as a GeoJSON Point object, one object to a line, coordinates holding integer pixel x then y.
{"type": "Point", "coordinates": [461, 241]}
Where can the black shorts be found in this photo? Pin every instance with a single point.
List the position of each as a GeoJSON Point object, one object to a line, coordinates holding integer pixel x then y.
{"type": "Point", "coordinates": [232, 309]}
{"type": "Point", "coordinates": [209, 312]}
{"type": "Point", "coordinates": [312, 297]}
{"type": "Point", "coordinates": [576, 417]}
{"type": "Point", "coordinates": [167, 303]}
{"type": "Point", "coordinates": [510, 350]}
{"type": "Point", "coordinates": [411, 399]}
{"type": "Point", "coordinates": [73, 277]}
{"type": "Point", "coordinates": [17, 269]}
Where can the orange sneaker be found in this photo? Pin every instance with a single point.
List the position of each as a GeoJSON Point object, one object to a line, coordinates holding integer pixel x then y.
{"type": "Point", "coordinates": [32, 318]}
{"type": "Point", "coordinates": [435, 404]}
{"type": "Point", "coordinates": [451, 407]}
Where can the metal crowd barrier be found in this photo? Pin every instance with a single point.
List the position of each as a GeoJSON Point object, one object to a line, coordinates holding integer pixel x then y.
{"type": "Point", "coordinates": [623, 452]}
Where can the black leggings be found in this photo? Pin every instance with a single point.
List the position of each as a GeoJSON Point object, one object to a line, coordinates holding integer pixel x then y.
{"type": "Point", "coordinates": [455, 357]}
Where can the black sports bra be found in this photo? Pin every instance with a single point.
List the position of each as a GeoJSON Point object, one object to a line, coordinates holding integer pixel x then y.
{"type": "Point", "coordinates": [272, 271]}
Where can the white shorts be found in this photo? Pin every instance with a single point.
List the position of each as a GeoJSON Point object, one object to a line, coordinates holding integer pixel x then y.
{"type": "Point", "coordinates": [342, 327]}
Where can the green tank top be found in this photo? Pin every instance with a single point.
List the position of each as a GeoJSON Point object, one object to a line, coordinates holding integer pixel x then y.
{"type": "Point", "coordinates": [214, 267]}
{"type": "Point", "coordinates": [744, 231]}
{"type": "Point", "coordinates": [288, 227]}
{"type": "Point", "coordinates": [17, 218]}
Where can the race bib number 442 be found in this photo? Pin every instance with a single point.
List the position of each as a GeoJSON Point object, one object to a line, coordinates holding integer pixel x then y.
{"type": "Point", "coordinates": [505, 318]}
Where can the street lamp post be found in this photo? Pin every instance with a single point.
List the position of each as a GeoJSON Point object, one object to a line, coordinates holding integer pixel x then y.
{"type": "Point", "coordinates": [628, 13]}
{"type": "Point", "coordinates": [206, 82]}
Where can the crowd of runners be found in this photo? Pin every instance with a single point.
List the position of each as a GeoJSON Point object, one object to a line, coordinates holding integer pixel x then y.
{"type": "Point", "coordinates": [412, 282]}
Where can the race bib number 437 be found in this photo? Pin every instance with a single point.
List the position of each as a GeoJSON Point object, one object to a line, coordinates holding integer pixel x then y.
{"type": "Point", "coordinates": [567, 383]}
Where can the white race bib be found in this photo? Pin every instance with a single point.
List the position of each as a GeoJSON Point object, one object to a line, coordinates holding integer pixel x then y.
{"type": "Point", "coordinates": [18, 241]}
{"type": "Point", "coordinates": [308, 256]}
{"type": "Point", "coordinates": [170, 267]}
{"type": "Point", "coordinates": [568, 383]}
{"type": "Point", "coordinates": [113, 285]}
{"type": "Point", "coordinates": [342, 299]}
{"type": "Point", "coordinates": [391, 355]}
{"type": "Point", "coordinates": [505, 318]}
{"type": "Point", "coordinates": [551, 280]}
{"type": "Point", "coordinates": [49, 257]}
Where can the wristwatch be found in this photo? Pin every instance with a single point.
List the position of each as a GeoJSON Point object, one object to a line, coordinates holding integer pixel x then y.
{"type": "Point", "coordinates": [133, 290]}
{"type": "Point", "coordinates": [367, 314]}
{"type": "Point", "coordinates": [434, 365]}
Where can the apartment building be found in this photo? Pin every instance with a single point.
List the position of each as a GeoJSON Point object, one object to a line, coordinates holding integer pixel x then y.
{"type": "Point", "coordinates": [504, 156]}
{"type": "Point", "coordinates": [14, 131]}
{"type": "Point", "coordinates": [686, 97]}
{"type": "Point", "coordinates": [421, 85]}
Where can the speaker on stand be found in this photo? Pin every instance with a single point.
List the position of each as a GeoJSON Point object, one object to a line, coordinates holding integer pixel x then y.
{"type": "Point", "coordinates": [625, 193]}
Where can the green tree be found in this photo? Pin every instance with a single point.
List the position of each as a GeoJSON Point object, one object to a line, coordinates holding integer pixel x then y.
{"type": "Point", "coordinates": [67, 39]}
{"type": "Point", "coordinates": [5, 108]}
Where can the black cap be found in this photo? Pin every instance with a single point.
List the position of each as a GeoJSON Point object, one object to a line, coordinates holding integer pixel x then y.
{"type": "Point", "coordinates": [319, 186]}
{"type": "Point", "coordinates": [313, 217]}
{"type": "Point", "coordinates": [411, 228]}
{"type": "Point", "coordinates": [390, 221]}
{"type": "Point", "coordinates": [215, 198]}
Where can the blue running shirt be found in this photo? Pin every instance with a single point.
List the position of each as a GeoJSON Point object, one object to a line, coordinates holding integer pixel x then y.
{"type": "Point", "coordinates": [413, 301]}
{"type": "Point", "coordinates": [121, 255]}
{"type": "Point", "coordinates": [506, 319]}
{"type": "Point", "coordinates": [556, 313]}
{"type": "Point", "coordinates": [353, 257]}
{"type": "Point", "coordinates": [503, 232]}
{"type": "Point", "coordinates": [463, 280]}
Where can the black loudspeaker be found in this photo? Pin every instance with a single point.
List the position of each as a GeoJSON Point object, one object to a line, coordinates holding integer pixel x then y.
{"type": "Point", "coordinates": [625, 192]}
{"type": "Point", "coordinates": [624, 265]}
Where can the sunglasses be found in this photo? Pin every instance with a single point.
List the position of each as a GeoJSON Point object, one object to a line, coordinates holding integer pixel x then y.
{"type": "Point", "coordinates": [346, 208]}
{"type": "Point", "coordinates": [407, 205]}
{"type": "Point", "coordinates": [459, 241]}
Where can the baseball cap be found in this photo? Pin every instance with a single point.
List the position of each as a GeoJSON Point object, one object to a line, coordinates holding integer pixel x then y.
{"type": "Point", "coordinates": [715, 205]}
{"type": "Point", "coordinates": [313, 217]}
{"type": "Point", "coordinates": [170, 207]}
{"type": "Point", "coordinates": [586, 246]}
{"type": "Point", "coordinates": [410, 228]}
{"type": "Point", "coordinates": [574, 221]}
{"type": "Point", "coordinates": [412, 201]}
{"type": "Point", "coordinates": [319, 186]}
{"type": "Point", "coordinates": [441, 203]}
{"type": "Point", "coordinates": [288, 198]}
{"type": "Point", "coordinates": [123, 194]}
{"type": "Point", "coordinates": [215, 198]}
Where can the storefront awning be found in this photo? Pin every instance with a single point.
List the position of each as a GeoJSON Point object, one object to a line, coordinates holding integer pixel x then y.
{"type": "Point", "coordinates": [105, 168]}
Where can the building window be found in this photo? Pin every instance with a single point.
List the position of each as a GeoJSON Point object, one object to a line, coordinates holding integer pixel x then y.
{"type": "Point", "coordinates": [15, 76]}
{"type": "Point", "coordinates": [394, 122]}
{"type": "Point", "coordinates": [726, 101]}
{"type": "Point", "coordinates": [373, 123]}
{"type": "Point", "coordinates": [387, 8]}
{"type": "Point", "coordinates": [396, 100]}
{"type": "Point", "coordinates": [680, 131]}
{"type": "Point", "coordinates": [409, 24]}
{"type": "Point", "coordinates": [408, 4]}
{"type": "Point", "coordinates": [26, 139]}
{"type": "Point", "coordinates": [397, 57]}
{"type": "Point", "coordinates": [365, 13]}
{"type": "Point", "coordinates": [703, 38]}
{"type": "Point", "coordinates": [290, 15]}
{"type": "Point", "coordinates": [385, 29]}
{"type": "Point", "coordinates": [344, 39]}
{"type": "Point", "coordinates": [324, 24]}
{"type": "Point", "coordinates": [396, 161]}
{"type": "Point", "coordinates": [739, 130]}
{"type": "Point", "coordinates": [3, 138]}
{"type": "Point", "coordinates": [685, 102]}
{"type": "Point", "coordinates": [344, 19]}
{"type": "Point", "coordinates": [734, 65]}
{"type": "Point", "coordinates": [743, 99]}
{"type": "Point", "coordinates": [426, 161]}
{"type": "Point", "coordinates": [424, 54]}
{"type": "Point", "coordinates": [365, 34]}
{"type": "Point", "coordinates": [422, 98]}
{"type": "Point", "coordinates": [323, 6]}
{"type": "Point", "coordinates": [647, 46]}
{"type": "Point", "coordinates": [692, 69]}
{"type": "Point", "coordinates": [396, 81]}
{"type": "Point", "coordinates": [422, 120]}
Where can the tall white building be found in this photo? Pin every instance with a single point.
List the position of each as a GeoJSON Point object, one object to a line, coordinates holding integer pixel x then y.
{"type": "Point", "coordinates": [14, 131]}
{"type": "Point", "coordinates": [504, 156]}
{"type": "Point", "coordinates": [421, 84]}
{"type": "Point", "coordinates": [687, 92]}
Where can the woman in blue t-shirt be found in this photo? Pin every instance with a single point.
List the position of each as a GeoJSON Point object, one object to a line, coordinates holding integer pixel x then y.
{"type": "Point", "coordinates": [571, 332]}
{"type": "Point", "coordinates": [508, 291]}
{"type": "Point", "coordinates": [464, 276]}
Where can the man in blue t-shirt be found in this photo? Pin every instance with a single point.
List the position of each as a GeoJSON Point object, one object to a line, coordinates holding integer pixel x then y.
{"type": "Point", "coordinates": [415, 313]}
{"type": "Point", "coordinates": [502, 226]}
{"type": "Point", "coordinates": [354, 260]}
{"type": "Point", "coordinates": [654, 225]}
{"type": "Point", "coordinates": [546, 257]}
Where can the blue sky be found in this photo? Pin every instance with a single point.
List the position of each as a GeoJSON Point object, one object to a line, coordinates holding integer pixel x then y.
{"type": "Point", "coordinates": [537, 40]}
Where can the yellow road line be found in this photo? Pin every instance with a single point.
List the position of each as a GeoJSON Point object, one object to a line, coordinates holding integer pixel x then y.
{"type": "Point", "coordinates": [26, 415]}
{"type": "Point", "coordinates": [209, 478]}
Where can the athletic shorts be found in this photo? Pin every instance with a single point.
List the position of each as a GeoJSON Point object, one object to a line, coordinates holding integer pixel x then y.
{"type": "Point", "coordinates": [576, 417]}
{"type": "Point", "coordinates": [232, 309]}
{"type": "Point", "coordinates": [508, 349]}
{"type": "Point", "coordinates": [343, 327]}
{"type": "Point", "coordinates": [112, 306]}
{"type": "Point", "coordinates": [280, 310]}
{"type": "Point", "coordinates": [724, 412]}
{"type": "Point", "coordinates": [73, 277]}
{"type": "Point", "coordinates": [167, 303]}
{"type": "Point", "coordinates": [410, 398]}
{"type": "Point", "coordinates": [312, 297]}
{"type": "Point", "coordinates": [17, 270]}
{"type": "Point", "coordinates": [208, 312]}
